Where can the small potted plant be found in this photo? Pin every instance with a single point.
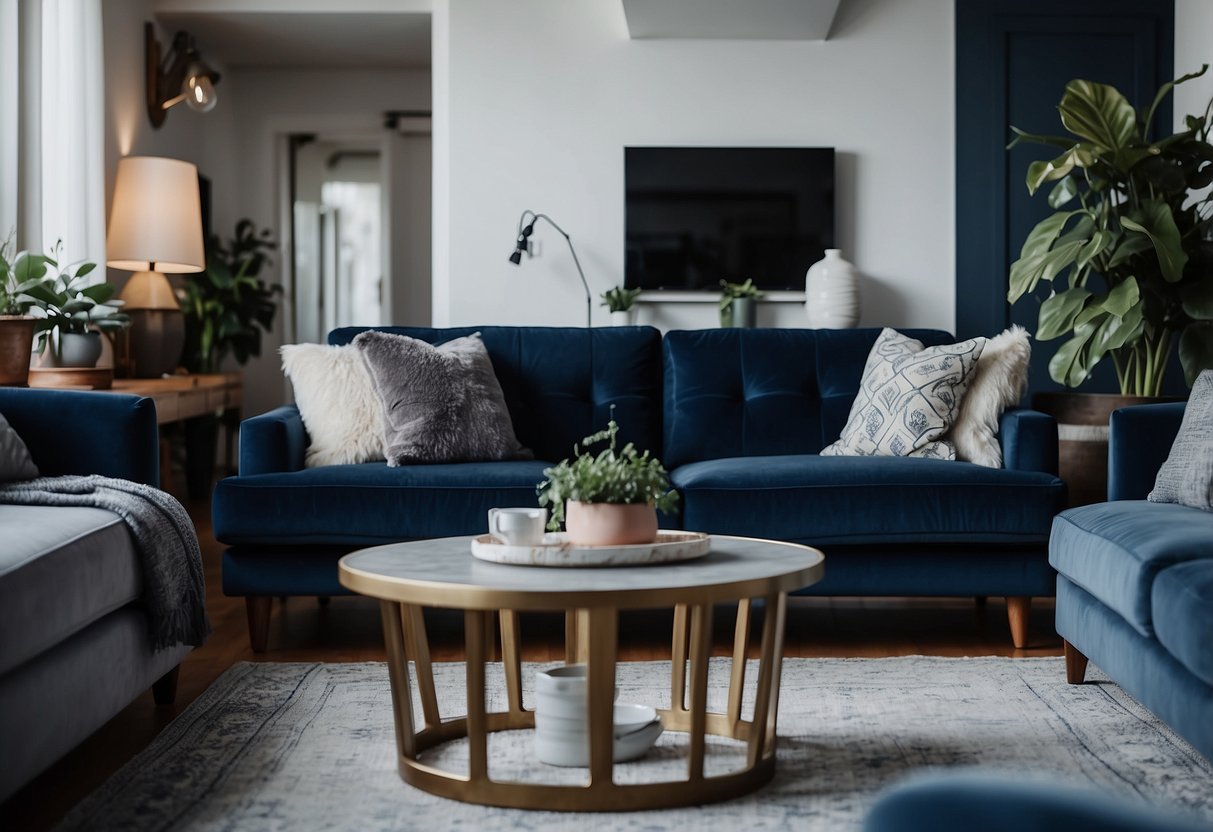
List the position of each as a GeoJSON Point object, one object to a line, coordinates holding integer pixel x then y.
{"type": "Point", "coordinates": [72, 315]}
{"type": "Point", "coordinates": [622, 305]}
{"type": "Point", "coordinates": [16, 327]}
{"type": "Point", "coordinates": [739, 304]}
{"type": "Point", "coordinates": [610, 498]}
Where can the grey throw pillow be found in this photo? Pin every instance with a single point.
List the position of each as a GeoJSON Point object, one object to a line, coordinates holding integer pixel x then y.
{"type": "Point", "coordinates": [908, 398]}
{"type": "Point", "coordinates": [440, 404]}
{"type": "Point", "coordinates": [15, 462]}
{"type": "Point", "coordinates": [1187, 475]}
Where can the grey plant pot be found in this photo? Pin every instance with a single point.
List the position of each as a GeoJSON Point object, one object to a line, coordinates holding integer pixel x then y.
{"type": "Point", "coordinates": [76, 349]}
{"type": "Point", "coordinates": [741, 313]}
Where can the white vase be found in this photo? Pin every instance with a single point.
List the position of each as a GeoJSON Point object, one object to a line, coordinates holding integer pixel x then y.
{"type": "Point", "coordinates": [831, 290]}
{"type": "Point", "coordinates": [624, 318]}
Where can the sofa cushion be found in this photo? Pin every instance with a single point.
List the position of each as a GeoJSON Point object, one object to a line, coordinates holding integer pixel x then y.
{"type": "Point", "coordinates": [370, 503]}
{"type": "Point", "coordinates": [823, 500]}
{"type": "Point", "coordinates": [756, 392]}
{"type": "Point", "coordinates": [1115, 550]}
{"type": "Point", "coordinates": [61, 568]}
{"type": "Point", "coordinates": [560, 383]}
{"type": "Point", "coordinates": [1182, 599]}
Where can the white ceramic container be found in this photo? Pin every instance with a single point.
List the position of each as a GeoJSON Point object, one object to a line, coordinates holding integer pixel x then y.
{"type": "Point", "coordinates": [831, 290]}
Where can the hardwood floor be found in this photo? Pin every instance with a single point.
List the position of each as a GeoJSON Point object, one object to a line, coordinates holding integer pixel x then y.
{"type": "Point", "coordinates": [348, 630]}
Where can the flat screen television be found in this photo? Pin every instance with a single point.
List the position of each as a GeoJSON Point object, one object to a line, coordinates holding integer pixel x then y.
{"type": "Point", "coordinates": [699, 215]}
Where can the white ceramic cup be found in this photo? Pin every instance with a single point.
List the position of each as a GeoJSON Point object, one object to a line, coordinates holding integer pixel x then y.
{"type": "Point", "coordinates": [518, 526]}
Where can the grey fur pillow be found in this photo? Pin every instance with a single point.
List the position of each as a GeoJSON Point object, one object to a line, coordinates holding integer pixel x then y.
{"type": "Point", "coordinates": [1187, 475]}
{"type": "Point", "coordinates": [15, 462]}
{"type": "Point", "coordinates": [440, 404]}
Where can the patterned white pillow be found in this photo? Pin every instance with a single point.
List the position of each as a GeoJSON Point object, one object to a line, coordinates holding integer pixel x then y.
{"type": "Point", "coordinates": [908, 398]}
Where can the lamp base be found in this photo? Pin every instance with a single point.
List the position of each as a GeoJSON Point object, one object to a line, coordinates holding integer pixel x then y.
{"type": "Point", "coordinates": [157, 337]}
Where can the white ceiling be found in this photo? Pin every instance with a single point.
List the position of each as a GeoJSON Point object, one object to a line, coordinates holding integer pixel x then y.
{"type": "Point", "coordinates": [730, 19]}
{"type": "Point", "coordinates": [306, 40]}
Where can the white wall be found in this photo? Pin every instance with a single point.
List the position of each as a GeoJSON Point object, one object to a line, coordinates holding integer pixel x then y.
{"type": "Point", "coordinates": [544, 95]}
{"type": "Point", "coordinates": [1193, 47]}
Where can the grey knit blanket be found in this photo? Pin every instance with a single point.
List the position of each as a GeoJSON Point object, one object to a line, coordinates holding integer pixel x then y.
{"type": "Point", "coordinates": [173, 588]}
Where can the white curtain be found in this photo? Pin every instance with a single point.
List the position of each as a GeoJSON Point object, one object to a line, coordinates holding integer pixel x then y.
{"type": "Point", "coordinates": [10, 123]}
{"type": "Point", "coordinates": [72, 165]}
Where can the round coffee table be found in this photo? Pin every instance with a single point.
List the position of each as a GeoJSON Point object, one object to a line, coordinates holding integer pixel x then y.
{"type": "Point", "coordinates": [407, 577]}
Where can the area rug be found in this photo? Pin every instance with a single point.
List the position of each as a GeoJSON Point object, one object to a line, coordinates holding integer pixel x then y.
{"type": "Point", "coordinates": [311, 746]}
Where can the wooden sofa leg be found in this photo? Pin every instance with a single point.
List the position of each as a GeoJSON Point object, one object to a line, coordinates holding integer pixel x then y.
{"type": "Point", "coordinates": [1076, 664]}
{"type": "Point", "coordinates": [164, 689]}
{"type": "Point", "coordinates": [258, 608]}
{"type": "Point", "coordinates": [1018, 609]}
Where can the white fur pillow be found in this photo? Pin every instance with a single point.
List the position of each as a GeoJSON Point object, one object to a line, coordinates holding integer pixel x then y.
{"type": "Point", "coordinates": [1002, 375]}
{"type": "Point", "coordinates": [337, 402]}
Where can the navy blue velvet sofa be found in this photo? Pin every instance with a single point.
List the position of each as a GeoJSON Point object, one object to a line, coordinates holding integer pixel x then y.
{"type": "Point", "coordinates": [738, 416]}
{"type": "Point", "coordinates": [1135, 581]}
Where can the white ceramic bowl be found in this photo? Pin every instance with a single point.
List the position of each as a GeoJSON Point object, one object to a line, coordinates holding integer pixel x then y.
{"type": "Point", "coordinates": [565, 742]}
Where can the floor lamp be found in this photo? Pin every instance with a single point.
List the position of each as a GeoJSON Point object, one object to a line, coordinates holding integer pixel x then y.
{"type": "Point", "coordinates": [526, 227]}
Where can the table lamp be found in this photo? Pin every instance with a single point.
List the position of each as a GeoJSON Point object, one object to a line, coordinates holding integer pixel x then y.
{"type": "Point", "coordinates": [155, 229]}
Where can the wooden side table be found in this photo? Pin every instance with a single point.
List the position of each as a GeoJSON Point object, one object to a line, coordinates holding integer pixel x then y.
{"type": "Point", "coordinates": [407, 577]}
{"type": "Point", "coordinates": [177, 399]}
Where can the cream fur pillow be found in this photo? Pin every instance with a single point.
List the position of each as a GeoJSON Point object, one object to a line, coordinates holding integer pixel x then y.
{"type": "Point", "coordinates": [1002, 375]}
{"type": "Point", "coordinates": [337, 402]}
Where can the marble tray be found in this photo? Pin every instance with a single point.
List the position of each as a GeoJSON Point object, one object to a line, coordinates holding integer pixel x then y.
{"type": "Point", "coordinates": [556, 550]}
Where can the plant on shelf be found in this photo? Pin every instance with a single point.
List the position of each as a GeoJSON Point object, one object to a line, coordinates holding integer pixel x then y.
{"type": "Point", "coordinates": [70, 312]}
{"type": "Point", "coordinates": [227, 306]}
{"type": "Point", "coordinates": [737, 303]}
{"type": "Point", "coordinates": [1126, 252]}
{"type": "Point", "coordinates": [607, 498]}
{"type": "Point", "coordinates": [620, 299]}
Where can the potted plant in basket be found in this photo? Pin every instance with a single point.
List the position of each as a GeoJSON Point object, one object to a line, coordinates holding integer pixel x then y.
{"type": "Point", "coordinates": [739, 304]}
{"type": "Point", "coordinates": [16, 327]}
{"type": "Point", "coordinates": [1125, 257]}
{"type": "Point", "coordinates": [71, 314]}
{"type": "Point", "coordinates": [621, 303]}
{"type": "Point", "coordinates": [609, 498]}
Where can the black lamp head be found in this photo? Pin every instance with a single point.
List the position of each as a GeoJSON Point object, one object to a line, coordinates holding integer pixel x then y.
{"type": "Point", "coordinates": [522, 244]}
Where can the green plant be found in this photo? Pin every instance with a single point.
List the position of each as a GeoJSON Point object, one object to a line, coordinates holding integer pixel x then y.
{"type": "Point", "coordinates": [14, 272]}
{"type": "Point", "coordinates": [60, 299]}
{"type": "Point", "coordinates": [735, 291]}
{"type": "Point", "coordinates": [227, 306]}
{"type": "Point", "coordinates": [620, 299]}
{"type": "Point", "coordinates": [1130, 251]}
{"type": "Point", "coordinates": [610, 476]}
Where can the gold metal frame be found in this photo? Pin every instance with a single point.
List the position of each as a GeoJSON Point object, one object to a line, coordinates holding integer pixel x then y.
{"type": "Point", "coordinates": [590, 636]}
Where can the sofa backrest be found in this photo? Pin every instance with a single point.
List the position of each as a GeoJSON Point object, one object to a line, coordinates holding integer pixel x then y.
{"type": "Point", "coordinates": [560, 383]}
{"type": "Point", "coordinates": [756, 392]}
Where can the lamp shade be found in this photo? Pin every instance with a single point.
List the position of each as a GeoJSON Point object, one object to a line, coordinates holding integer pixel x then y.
{"type": "Point", "coordinates": [156, 219]}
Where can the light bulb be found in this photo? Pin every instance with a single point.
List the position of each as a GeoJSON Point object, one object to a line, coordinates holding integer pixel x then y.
{"type": "Point", "coordinates": [199, 93]}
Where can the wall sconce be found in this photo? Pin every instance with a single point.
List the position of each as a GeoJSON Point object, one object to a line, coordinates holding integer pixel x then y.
{"type": "Point", "coordinates": [181, 75]}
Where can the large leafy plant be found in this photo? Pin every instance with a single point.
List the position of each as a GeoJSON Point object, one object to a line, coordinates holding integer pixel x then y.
{"type": "Point", "coordinates": [1122, 251]}
{"type": "Point", "coordinates": [16, 275]}
{"type": "Point", "coordinates": [613, 475]}
{"type": "Point", "coordinates": [227, 306]}
{"type": "Point", "coordinates": [61, 299]}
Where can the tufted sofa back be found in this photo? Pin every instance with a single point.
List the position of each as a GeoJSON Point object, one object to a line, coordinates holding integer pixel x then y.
{"type": "Point", "coordinates": [755, 392]}
{"type": "Point", "coordinates": [560, 383]}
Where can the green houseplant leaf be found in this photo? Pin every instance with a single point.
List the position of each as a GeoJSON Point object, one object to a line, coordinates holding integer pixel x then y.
{"type": "Point", "coordinates": [1129, 252]}
{"type": "Point", "coordinates": [1196, 349]}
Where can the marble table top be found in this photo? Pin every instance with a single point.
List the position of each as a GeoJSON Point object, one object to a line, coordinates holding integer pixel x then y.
{"type": "Point", "coordinates": [443, 573]}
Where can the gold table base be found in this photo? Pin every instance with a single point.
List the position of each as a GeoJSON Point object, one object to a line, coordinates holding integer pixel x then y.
{"type": "Point", "coordinates": [591, 637]}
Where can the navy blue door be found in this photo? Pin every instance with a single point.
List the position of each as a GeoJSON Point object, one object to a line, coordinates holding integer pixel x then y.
{"type": "Point", "coordinates": [1013, 60]}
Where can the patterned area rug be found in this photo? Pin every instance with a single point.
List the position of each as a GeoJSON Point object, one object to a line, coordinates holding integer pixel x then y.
{"type": "Point", "coordinates": [311, 746]}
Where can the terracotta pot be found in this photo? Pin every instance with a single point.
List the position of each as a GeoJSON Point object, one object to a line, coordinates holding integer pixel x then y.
{"type": "Point", "coordinates": [1082, 438]}
{"type": "Point", "coordinates": [610, 524]}
{"type": "Point", "coordinates": [16, 346]}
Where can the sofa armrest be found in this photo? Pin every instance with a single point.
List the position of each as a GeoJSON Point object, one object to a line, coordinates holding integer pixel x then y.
{"type": "Point", "coordinates": [1029, 440]}
{"type": "Point", "coordinates": [1139, 440]}
{"type": "Point", "coordinates": [80, 432]}
{"type": "Point", "coordinates": [272, 442]}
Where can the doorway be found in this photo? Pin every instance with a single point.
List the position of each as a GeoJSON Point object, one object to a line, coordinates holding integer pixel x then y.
{"type": "Point", "coordinates": [337, 234]}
